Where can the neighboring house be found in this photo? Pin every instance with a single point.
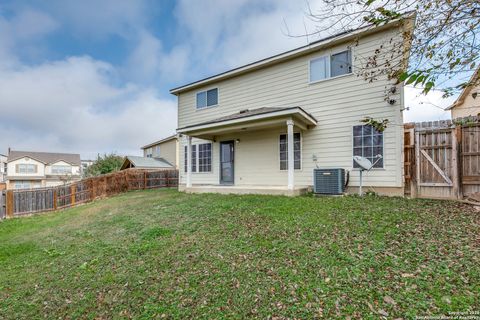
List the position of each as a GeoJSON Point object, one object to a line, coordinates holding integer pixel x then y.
{"type": "Point", "coordinates": [3, 168]}
{"type": "Point", "coordinates": [145, 163]}
{"type": "Point", "coordinates": [264, 127]}
{"type": "Point", "coordinates": [26, 169]}
{"type": "Point", "coordinates": [86, 164]}
{"type": "Point", "coordinates": [166, 148]}
{"type": "Point", "coordinates": [468, 102]}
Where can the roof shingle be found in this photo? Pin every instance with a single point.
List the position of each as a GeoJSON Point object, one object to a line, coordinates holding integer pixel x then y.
{"type": "Point", "coordinates": [45, 157]}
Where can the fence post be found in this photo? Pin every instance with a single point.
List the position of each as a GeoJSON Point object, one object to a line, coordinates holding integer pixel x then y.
{"type": "Point", "coordinates": [456, 176]}
{"type": "Point", "coordinates": [73, 190]}
{"type": "Point", "coordinates": [55, 199]}
{"type": "Point", "coordinates": [418, 178]}
{"type": "Point", "coordinates": [9, 204]}
{"type": "Point", "coordinates": [144, 180]}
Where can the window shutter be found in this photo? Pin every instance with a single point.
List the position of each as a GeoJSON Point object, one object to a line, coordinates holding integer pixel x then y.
{"type": "Point", "coordinates": [36, 168]}
{"type": "Point", "coordinates": [17, 168]}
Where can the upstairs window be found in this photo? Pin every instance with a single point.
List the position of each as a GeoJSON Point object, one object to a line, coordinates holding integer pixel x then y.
{"type": "Point", "coordinates": [156, 151]}
{"type": "Point", "coordinates": [149, 152]}
{"type": "Point", "coordinates": [368, 143]}
{"type": "Point", "coordinates": [58, 169]}
{"type": "Point", "coordinates": [330, 66]}
{"type": "Point", "coordinates": [26, 168]}
{"type": "Point", "coordinates": [207, 98]}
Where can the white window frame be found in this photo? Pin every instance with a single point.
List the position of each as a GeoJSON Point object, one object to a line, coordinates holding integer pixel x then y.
{"type": "Point", "coordinates": [69, 171]}
{"type": "Point", "coordinates": [383, 150]}
{"type": "Point", "coordinates": [301, 153]}
{"type": "Point", "coordinates": [23, 184]}
{"type": "Point", "coordinates": [206, 97]}
{"type": "Point", "coordinates": [329, 58]}
{"type": "Point", "coordinates": [26, 171]}
{"type": "Point", "coordinates": [149, 152]}
{"type": "Point", "coordinates": [197, 161]}
{"type": "Point", "coordinates": [156, 151]}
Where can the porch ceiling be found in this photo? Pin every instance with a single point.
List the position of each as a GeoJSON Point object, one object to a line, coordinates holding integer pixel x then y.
{"type": "Point", "coordinates": [251, 120]}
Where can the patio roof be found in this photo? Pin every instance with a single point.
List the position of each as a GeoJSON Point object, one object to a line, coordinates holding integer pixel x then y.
{"type": "Point", "coordinates": [255, 118]}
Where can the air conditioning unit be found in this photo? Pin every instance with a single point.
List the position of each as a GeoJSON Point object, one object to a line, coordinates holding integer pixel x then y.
{"type": "Point", "coordinates": [329, 181]}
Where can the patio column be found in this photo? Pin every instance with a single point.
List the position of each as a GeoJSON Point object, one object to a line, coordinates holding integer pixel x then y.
{"type": "Point", "coordinates": [291, 165]}
{"type": "Point", "coordinates": [189, 161]}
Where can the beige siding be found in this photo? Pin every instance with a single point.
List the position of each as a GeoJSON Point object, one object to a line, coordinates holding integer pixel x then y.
{"type": "Point", "coordinates": [469, 107]}
{"type": "Point", "coordinates": [168, 151]}
{"type": "Point", "coordinates": [338, 104]}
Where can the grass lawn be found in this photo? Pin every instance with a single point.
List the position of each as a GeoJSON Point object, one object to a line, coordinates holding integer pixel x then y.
{"type": "Point", "coordinates": [154, 254]}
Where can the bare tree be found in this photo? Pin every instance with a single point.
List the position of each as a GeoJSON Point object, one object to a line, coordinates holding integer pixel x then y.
{"type": "Point", "coordinates": [445, 47]}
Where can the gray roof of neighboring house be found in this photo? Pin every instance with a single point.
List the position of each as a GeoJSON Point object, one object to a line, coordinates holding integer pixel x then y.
{"type": "Point", "coordinates": [147, 163]}
{"type": "Point", "coordinates": [245, 114]}
{"type": "Point", "coordinates": [45, 157]}
{"type": "Point", "coordinates": [174, 136]}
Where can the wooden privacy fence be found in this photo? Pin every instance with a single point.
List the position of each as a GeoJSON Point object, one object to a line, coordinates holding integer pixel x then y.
{"type": "Point", "coordinates": [22, 202]}
{"type": "Point", "coordinates": [442, 159]}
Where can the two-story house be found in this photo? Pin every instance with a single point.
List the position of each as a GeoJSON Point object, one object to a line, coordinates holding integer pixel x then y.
{"type": "Point", "coordinates": [265, 126]}
{"type": "Point", "coordinates": [166, 149]}
{"type": "Point", "coordinates": [27, 169]}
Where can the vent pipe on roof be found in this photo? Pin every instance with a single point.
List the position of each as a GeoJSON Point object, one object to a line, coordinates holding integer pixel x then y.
{"type": "Point", "coordinates": [243, 111]}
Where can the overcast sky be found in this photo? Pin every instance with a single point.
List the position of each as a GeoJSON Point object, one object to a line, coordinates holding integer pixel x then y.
{"type": "Point", "coordinates": [93, 76]}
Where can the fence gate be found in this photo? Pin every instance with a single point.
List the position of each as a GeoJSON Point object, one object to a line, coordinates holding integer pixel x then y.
{"type": "Point", "coordinates": [446, 160]}
{"type": "Point", "coordinates": [436, 163]}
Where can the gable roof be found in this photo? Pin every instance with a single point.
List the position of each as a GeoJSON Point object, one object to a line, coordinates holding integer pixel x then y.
{"type": "Point", "coordinates": [303, 50]}
{"type": "Point", "coordinates": [173, 136]}
{"type": "Point", "coordinates": [146, 163]}
{"type": "Point", "coordinates": [466, 90]}
{"type": "Point", "coordinates": [45, 157]}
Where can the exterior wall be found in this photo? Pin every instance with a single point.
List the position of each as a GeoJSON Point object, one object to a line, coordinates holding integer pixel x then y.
{"type": "Point", "coordinates": [54, 183]}
{"type": "Point", "coordinates": [338, 104]}
{"type": "Point", "coordinates": [469, 107]}
{"type": "Point", "coordinates": [3, 169]}
{"type": "Point", "coordinates": [11, 168]}
{"type": "Point", "coordinates": [75, 169]}
{"type": "Point", "coordinates": [168, 151]}
{"type": "Point", "coordinates": [34, 183]}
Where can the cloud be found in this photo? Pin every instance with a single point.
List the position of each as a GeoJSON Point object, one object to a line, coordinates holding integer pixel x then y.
{"type": "Point", "coordinates": [72, 105]}
{"type": "Point", "coordinates": [239, 31]}
{"type": "Point", "coordinates": [23, 33]}
{"type": "Point", "coordinates": [148, 61]}
{"type": "Point", "coordinates": [426, 108]}
{"type": "Point", "coordinates": [98, 19]}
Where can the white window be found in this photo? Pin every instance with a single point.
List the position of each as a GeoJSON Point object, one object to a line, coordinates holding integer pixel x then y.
{"type": "Point", "coordinates": [148, 152]}
{"type": "Point", "coordinates": [330, 66]}
{"type": "Point", "coordinates": [205, 157]}
{"type": "Point", "coordinates": [22, 184]}
{"type": "Point", "coordinates": [201, 158]}
{"type": "Point", "coordinates": [368, 143]}
{"type": "Point", "coordinates": [26, 168]}
{"type": "Point", "coordinates": [61, 169]}
{"type": "Point", "coordinates": [207, 98]}
{"type": "Point", "coordinates": [156, 151]}
{"type": "Point", "coordinates": [297, 151]}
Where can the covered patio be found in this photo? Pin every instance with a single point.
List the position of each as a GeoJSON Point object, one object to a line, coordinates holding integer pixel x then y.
{"type": "Point", "coordinates": [251, 124]}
